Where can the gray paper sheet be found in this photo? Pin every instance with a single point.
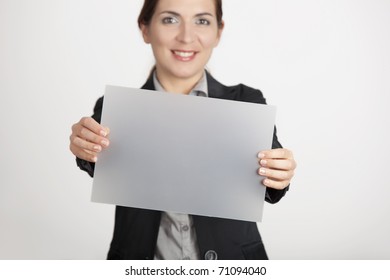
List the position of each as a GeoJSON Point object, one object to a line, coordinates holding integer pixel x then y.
{"type": "Point", "coordinates": [183, 154]}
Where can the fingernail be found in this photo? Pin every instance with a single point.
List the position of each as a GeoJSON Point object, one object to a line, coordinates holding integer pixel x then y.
{"type": "Point", "coordinates": [94, 159]}
{"type": "Point", "coordinates": [105, 143]}
{"type": "Point", "coordinates": [97, 148]}
{"type": "Point", "coordinates": [103, 133]}
{"type": "Point", "coordinates": [266, 182]}
{"type": "Point", "coordinates": [263, 162]}
{"type": "Point", "coordinates": [260, 155]}
{"type": "Point", "coordinates": [262, 171]}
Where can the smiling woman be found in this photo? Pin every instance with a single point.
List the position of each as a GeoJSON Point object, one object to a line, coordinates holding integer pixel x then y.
{"type": "Point", "coordinates": [183, 35]}
{"type": "Point", "coordinates": [182, 38]}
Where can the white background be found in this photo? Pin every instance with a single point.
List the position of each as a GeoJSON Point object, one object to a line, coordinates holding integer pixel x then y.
{"type": "Point", "coordinates": [325, 64]}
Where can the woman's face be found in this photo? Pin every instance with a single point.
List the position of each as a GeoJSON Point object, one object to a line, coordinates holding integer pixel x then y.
{"type": "Point", "coordinates": [182, 35]}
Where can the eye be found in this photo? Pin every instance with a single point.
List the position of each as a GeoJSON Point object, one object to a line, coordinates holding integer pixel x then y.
{"type": "Point", "coordinates": [202, 21]}
{"type": "Point", "coordinates": [169, 20]}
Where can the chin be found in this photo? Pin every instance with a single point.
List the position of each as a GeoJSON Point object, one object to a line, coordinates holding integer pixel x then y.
{"type": "Point", "coordinates": [186, 73]}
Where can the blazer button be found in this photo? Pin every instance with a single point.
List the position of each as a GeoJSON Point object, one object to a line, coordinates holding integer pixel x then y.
{"type": "Point", "coordinates": [211, 255]}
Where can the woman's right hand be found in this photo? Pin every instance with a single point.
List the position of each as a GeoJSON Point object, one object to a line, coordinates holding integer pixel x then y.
{"type": "Point", "coordinates": [88, 139]}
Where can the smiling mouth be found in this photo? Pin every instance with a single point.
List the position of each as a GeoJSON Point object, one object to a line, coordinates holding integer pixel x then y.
{"type": "Point", "coordinates": [184, 55]}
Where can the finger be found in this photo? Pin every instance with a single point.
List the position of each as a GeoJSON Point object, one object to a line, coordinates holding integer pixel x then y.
{"type": "Point", "coordinates": [276, 153]}
{"type": "Point", "coordinates": [281, 164]}
{"type": "Point", "coordinates": [107, 131]}
{"type": "Point", "coordinates": [92, 137]}
{"type": "Point", "coordinates": [280, 175]}
{"type": "Point", "coordinates": [86, 145]}
{"type": "Point", "coordinates": [279, 185]}
{"type": "Point", "coordinates": [94, 126]}
{"type": "Point", "coordinates": [83, 154]}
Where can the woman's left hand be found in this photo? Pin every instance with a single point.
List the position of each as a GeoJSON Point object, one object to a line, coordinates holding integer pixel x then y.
{"type": "Point", "coordinates": [278, 166]}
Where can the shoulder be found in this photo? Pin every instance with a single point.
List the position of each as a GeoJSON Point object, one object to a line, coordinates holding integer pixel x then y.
{"type": "Point", "coordinates": [238, 92]}
{"type": "Point", "coordinates": [250, 94]}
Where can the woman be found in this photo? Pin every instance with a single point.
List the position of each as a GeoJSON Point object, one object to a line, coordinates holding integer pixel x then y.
{"type": "Point", "coordinates": [183, 35]}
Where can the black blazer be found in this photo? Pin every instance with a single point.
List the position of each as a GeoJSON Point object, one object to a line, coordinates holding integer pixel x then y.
{"type": "Point", "coordinates": [136, 230]}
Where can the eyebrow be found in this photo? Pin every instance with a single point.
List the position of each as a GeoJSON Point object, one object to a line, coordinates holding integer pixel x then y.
{"type": "Point", "coordinates": [178, 15]}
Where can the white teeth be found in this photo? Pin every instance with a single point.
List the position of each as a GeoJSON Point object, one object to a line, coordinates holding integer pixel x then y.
{"type": "Point", "coordinates": [184, 54]}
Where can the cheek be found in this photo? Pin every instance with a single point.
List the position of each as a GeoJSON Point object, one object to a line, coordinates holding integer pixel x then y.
{"type": "Point", "coordinates": [208, 41]}
{"type": "Point", "coordinates": [162, 43]}
{"type": "Point", "coordinates": [157, 41]}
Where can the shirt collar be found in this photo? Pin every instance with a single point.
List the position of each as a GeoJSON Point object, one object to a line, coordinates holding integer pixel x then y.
{"type": "Point", "coordinates": [200, 88]}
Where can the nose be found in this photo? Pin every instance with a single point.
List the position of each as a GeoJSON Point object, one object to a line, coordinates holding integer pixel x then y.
{"type": "Point", "coordinates": [186, 33]}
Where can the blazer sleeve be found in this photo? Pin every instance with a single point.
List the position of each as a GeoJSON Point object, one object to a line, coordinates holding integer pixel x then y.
{"type": "Point", "coordinates": [87, 166]}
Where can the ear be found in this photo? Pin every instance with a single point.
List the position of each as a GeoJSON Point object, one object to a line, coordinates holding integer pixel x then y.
{"type": "Point", "coordinates": [219, 35]}
{"type": "Point", "coordinates": [145, 33]}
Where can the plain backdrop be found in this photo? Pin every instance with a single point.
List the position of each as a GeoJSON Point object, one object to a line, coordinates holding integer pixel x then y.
{"type": "Point", "coordinates": [325, 64]}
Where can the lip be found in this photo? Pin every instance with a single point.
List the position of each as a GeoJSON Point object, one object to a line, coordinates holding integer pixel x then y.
{"type": "Point", "coordinates": [184, 55]}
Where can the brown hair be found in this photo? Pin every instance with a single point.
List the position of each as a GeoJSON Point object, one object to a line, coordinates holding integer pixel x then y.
{"type": "Point", "coordinates": [149, 7]}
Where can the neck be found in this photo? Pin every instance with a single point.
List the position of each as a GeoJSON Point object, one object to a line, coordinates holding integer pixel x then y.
{"type": "Point", "coordinates": [178, 85]}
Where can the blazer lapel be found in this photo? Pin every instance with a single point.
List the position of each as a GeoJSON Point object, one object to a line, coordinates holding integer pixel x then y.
{"type": "Point", "coordinates": [215, 88]}
{"type": "Point", "coordinates": [149, 84]}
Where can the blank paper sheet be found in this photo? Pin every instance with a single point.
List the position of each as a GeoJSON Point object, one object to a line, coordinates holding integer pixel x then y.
{"type": "Point", "coordinates": [183, 154]}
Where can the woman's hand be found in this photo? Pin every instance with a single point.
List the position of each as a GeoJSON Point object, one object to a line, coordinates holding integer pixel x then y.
{"type": "Point", "coordinates": [278, 166]}
{"type": "Point", "coordinates": [88, 139]}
